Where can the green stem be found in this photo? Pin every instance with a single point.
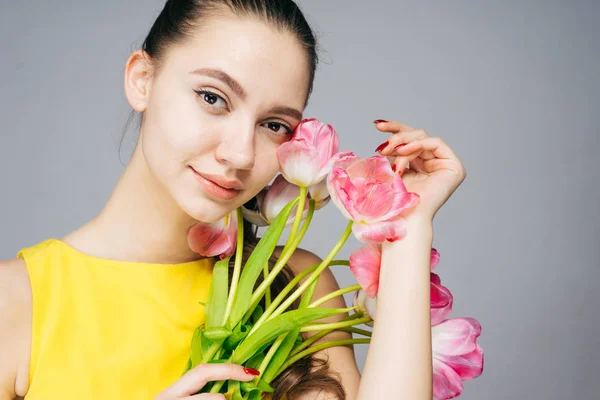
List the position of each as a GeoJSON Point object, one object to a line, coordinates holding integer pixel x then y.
{"type": "Point", "coordinates": [315, 275]}
{"type": "Point", "coordinates": [284, 257]}
{"type": "Point", "coordinates": [299, 212]}
{"type": "Point", "coordinates": [290, 286]}
{"type": "Point", "coordinates": [335, 325]}
{"type": "Point", "coordinates": [321, 346]}
{"type": "Point", "coordinates": [212, 350]}
{"type": "Point", "coordinates": [357, 331]}
{"type": "Point", "coordinates": [265, 363]}
{"type": "Point", "coordinates": [335, 294]}
{"type": "Point", "coordinates": [238, 264]}
{"type": "Point", "coordinates": [321, 334]}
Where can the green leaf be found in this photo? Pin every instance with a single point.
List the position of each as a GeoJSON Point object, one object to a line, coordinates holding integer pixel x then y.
{"type": "Point", "coordinates": [234, 390]}
{"type": "Point", "coordinates": [260, 385]}
{"type": "Point", "coordinates": [278, 325]}
{"type": "Point", "coordinates": [203, 303]}
{"type": "Point", "coordinates": [188, 366]}
{"type": "Point", "coordinates": [256, 261]}
{"type": "Point", "coordinates": [257, 313]}
{"type": "Point", "coordinates": [205, 342]}
{"type": "Point", "coordinates": [281, 355]}
{"type": "Point", "coordinates": [255, 360]}
{"type": "Point", "coordinates": [238, 334]}
{"type": "Point", "coordinates": [219, 361]}
{"type": "Point", "coordinates": [255, 395]}
{"type": "Point", "coordinates": [217, 333]}
{"type": "Point", "coordinates": [308, 294]}
{"type": "Point", "coordinates": [197, 350]}
{"type": "Point", "coordinates": [217, 294]}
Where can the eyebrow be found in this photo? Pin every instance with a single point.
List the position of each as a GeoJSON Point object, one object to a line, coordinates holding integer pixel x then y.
{"type": "Point", "coordinates": [241, 93]}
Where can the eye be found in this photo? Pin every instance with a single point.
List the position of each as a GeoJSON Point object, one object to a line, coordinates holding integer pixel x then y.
{"type": "Point", "coordinates": [211, 98]}
{"type": "Point", "coordinates": [279, 128]}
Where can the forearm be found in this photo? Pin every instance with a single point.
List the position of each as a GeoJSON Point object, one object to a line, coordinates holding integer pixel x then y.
{"type": "Point", "coordinates": [399, 364]}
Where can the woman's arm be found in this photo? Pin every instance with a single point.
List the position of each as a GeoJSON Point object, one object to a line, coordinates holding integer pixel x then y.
{"type": "Point", "coordinates": [399, 363]}
{"type": "Point", "coordinates": [399, 360]}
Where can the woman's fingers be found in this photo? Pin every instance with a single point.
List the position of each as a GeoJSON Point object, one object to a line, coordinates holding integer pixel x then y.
{"type": "Point", "coordinates": [195, 379]}
{"type": "Point", "coordinates": [399, 140]}
{"type": "Point", "coordinates": [392, 126]}
{"type": "Point", "coordinates": [435, 147]}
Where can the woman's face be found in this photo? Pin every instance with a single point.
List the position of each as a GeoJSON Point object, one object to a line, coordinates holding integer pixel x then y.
{"type": "Point", "coordinates": [220, 105]}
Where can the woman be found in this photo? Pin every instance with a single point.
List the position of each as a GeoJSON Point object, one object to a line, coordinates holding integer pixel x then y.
{"type": "Point", "coordinates": [108, 311]}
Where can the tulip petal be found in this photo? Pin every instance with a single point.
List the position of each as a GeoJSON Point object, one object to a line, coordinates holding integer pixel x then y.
{"type": "Point", "coordinates": [215, 238]}
{"type": "Point", "coordinates": [365, 304]}
{"type": "Point", "coordinates": [374, 169]}
{"type": "Point", "coordinates": [435, 258]}
{"type": "Point", "coordinates": [365, 263]}
{"type": "Point", "coordinates": [467, 366]}
{"type": "Point", "coordinates": [441, 300]}
{"type": "Point", "coordinates": [455, 336]}
{"type": "Point", "coordinates": [380, 231]}
{"type": "Point", "coordinates": [308, 157]}
{"type": "Point", "coordinates": [299, 162]}
{"type": "Point", "coordinates": [446, 382]}
{"type": "Point", "coordinates": [254, 217]}
{"type": "Point", "coordinates": [278, 196]}
{"type": "Point", "coordinates": [341, 190]}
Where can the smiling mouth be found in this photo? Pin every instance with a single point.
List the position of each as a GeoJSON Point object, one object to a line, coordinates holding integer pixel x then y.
{"type": "Point", "coordinates": [213, 188]}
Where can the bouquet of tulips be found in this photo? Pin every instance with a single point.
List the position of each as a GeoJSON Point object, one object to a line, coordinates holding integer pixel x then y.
{"type": "Point", "coordinates": [372, 197]}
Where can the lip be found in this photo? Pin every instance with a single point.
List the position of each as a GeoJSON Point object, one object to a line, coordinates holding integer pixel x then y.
{"type": "Point", "coordinates": [209, 183]}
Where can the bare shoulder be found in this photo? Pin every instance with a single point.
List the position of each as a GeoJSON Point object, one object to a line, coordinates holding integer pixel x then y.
{"type": "Point", "coordinates": [15, 328]}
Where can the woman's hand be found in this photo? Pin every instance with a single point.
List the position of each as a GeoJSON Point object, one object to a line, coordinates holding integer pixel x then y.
{"type": "Point", "coordinates": [195, 379]}
{"type": "Point", "coordinates": [434, 171]}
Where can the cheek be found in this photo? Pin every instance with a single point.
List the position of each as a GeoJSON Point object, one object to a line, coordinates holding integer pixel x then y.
{"type": "Point", "coordinates": [172, 137]}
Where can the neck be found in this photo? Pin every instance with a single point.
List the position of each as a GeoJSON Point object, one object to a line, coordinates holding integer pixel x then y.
{"type": "Point", "coordinates": [140, 222]}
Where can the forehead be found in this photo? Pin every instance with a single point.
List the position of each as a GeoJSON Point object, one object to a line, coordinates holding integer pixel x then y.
{"type": "Point", "coordinates": [270, 64]}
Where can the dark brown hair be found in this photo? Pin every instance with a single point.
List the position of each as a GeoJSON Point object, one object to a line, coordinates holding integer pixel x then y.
{"type": "Point", "coordinates": [178, 20]}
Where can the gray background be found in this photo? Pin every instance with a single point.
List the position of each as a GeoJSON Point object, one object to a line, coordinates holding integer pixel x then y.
{"type": "Point", "coordinates": [511, 86]}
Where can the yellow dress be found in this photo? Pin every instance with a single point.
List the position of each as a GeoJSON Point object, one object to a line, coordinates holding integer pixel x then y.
{"type": "Point", "coordinates": [106, 329]}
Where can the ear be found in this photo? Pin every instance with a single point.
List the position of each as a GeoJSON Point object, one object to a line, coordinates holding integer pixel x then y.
{"type": "Point", "coordinates": [138, 74]}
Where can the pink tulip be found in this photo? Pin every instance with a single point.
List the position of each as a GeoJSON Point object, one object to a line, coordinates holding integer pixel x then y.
{"type": "Point", "coordinates": [365, 304]}
{"type": "Point", "coordinates": [272, 200]}
{"type": "Point", "coordinates": [457, 356]}
{"type": "Point", "coordinates": [307, 158]}
{"type": "Point", "coordinates": [368, 192]}
{"type": "Point", "coordinates": [214, 238]}
{"type": "Point", "coordinates": [365, 263]}
{"type": "Point", "coordinates": [441, 300]}
{"type": "Point", "coordinates": [319, 193]}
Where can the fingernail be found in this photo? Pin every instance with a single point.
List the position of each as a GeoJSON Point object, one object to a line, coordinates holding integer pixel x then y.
{"type": "Point", "coordinates": [380, 120]}
{"type": "Point", "coordinates": [251, 371]}
{"type": "Point", "coordinates": [382, 146]}
{"type": "Point", "coordinates": [394, 167]}
{"type": "Point", "coordinates": [401, 171]}
{"type": "Point", "coordinates": [400, 145]}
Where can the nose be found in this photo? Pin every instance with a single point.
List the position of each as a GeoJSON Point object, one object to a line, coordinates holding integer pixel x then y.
{"type": "Point", "coordinates": [236, 150]}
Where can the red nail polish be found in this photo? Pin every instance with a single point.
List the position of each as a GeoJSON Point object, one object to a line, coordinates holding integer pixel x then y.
{"type": "Point", "coordinates": [251, 371]}
{"type": "Point", "coordinates": [401, 171]}
{"type": "Point", "coordinates": [400, 145]}
{"type": "Point", "coordinates": [382, 146]}
{"type": "Point", "coordinates": [394, 167]}
{"type": "Point", "coordinates": [380, 120]}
